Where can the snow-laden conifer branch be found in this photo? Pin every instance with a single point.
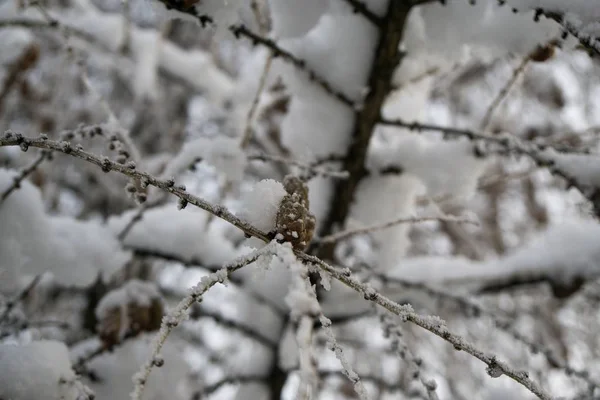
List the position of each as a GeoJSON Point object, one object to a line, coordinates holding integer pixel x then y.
{"type": "Point", "coordinates": [180, 312]}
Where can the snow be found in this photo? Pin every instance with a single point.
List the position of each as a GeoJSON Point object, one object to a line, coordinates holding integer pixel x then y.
{"type": "Point", "coordinates": [261, 203]}
{"type": "Point", "coordinates": [116, 369]}
{"type": "Point", "coordinates": [292, 18]}
{"type": "Point", "coordinates": [583, 167]}
{"type": "Point", "coordinates": [444, 167]}
{"type": "Point", "coordinates": [38, 370]}
{"type": "Point", "coordinates": [369, 209]}
{"type": "Point", "coordinates": [222, 152]}
{"type": "Point", "coordinates": [195, 67]}
{"type": "Point", "coordinates": [447, 29]}
{"type": "Point", "coordinates": [31, 242]}
{"type": "Point", "coordinates": [170, 231]}
{"type": "Point", "coordinates": [561, 253]}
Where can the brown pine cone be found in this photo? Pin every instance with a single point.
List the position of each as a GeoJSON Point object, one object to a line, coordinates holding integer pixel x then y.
{"type": "Point", "coordinates": [294, 221]}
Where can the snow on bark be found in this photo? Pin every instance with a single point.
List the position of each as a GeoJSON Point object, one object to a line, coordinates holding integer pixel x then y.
{"type": "Point", "coordinates": [39, 370]}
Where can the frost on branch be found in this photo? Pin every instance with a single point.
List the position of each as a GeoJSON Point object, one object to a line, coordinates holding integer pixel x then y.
{"type": "Point", "coordinates": [39, 370]}
{"type": "Point", "coordinates": [125, 312]}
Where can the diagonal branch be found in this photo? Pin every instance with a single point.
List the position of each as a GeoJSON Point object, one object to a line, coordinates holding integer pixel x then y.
{"type": "Point", "coordinates": [495, 367]}
{"type": "Point", "coordinates": [241, 30]}
{"type": "Point", "coordinates": [359, 6]}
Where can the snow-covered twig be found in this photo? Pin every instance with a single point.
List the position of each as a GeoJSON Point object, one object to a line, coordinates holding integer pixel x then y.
{"type": "Point", "coordinates": [392, 330]}
{"type": "Point", "coordinates": [590, 43]}
{"type": "Point", "coordinates": [173, 257]}
{"type": "Point", "coordinates": [302, 300]}
{"type": "Point", "coordinates": [243, 31]}
{"type": "Point", "coordinates": [348, 371]}
{"type": "Point", "coordinates": [179, 313]}
{"type": "Point", "coordinates": [310, 168]}
{"type": "Point", "coordinates": [120, 133]}
{"type": "Point", "coordinates": [16, 139]}
{"type": "Point", "coordinates": [10, 304]}
{"type": "Point", "coordinates": [505, 324]}
{"type": "Point", "coordinates": [336, 237]}
{"type": "Point", "coordinates": [516, 73]}
{"type": "Point", "coordinates": [495, 367]}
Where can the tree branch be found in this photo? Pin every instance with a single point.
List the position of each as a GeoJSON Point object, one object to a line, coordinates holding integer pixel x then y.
{"type": "Point", "coordinates": [386, 59]}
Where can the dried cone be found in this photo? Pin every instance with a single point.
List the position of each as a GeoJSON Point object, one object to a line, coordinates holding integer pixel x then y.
{"type": "Point", "coordinates": [115, 326]}
{"type": "Point", "coordinates": [294, 221]}
{"type": "Point", "coordinates": [543, 53]}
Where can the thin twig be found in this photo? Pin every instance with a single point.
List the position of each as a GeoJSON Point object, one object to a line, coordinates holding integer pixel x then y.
{"type": "Point", "coordinates": [8, 307]}
{"type": "Point", "coordinates": [179, 313]}
{"type": "Point", "coordinates": [241, 30]}
{"type": "Point", "coordinates": [360, 7]}
{"type": "Point", "coordinates": [311, 168]}
{"type": "Point", "coordinates": [503, 323]}
{"type": "Point", "coordinates": [336, 237]}
{"type": "Point", "coordinates": [15, 139]}
{"type": "Point", "coordinates": [517, 72]}
{"type": "Point", "coordinates": [495, 367]}
{"type": "Point", "coordinates": [24, 173]}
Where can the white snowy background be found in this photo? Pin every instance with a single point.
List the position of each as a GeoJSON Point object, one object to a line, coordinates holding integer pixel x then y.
{"type": "Point", "coordinates": [483, 213]}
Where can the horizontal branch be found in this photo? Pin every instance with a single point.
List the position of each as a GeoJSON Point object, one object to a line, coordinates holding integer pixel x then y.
{"type": "Point", "coordinates": [511, 145]}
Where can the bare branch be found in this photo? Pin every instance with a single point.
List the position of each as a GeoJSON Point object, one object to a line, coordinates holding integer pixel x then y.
{"type": "Point", "coordinates": [25, 172]}
{"type": "Point", "coordinates": [336, 237]}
